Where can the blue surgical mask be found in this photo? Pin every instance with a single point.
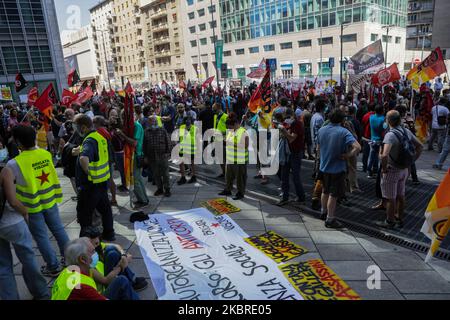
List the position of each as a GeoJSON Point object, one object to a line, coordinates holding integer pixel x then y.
{"type": "Point", "coordinates": [3, 155]}
{"type": "Point", "coordinates": [95, 260]}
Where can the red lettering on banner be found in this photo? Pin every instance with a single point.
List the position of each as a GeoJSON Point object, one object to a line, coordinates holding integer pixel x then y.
{"type": "Point", "coordinates": [184, 234]}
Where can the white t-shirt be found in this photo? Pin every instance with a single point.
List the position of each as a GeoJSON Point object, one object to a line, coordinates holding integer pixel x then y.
{"type": "Point", "coordinates": [438, 111]}
{"type": "Point", "coordinates": [10, 216]}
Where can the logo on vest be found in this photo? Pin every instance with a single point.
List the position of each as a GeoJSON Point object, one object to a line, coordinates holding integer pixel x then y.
{"type": "Point", "coordinates": [43, 177]}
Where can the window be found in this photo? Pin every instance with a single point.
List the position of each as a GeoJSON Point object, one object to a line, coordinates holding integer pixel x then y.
{"type": "Point", "coordinates": [212, 9]}
{"type": "Point", "coordinates": [193, 43]}
{"type": "Point", "coordinates": [202, 27]}
{"type": "Point", "coordinates": [227, 53]}
{"type": "Point", "coordinates": [201, 12]}
{"type": "Point", "coordinates": [230, 73]}
{"type": "Point", "coordinates": [241, 73]}
{"type": "Point", "coordinates": [286, 45]}
{"type": "Point", "coordinates": [269, 47]}
{"type": "Point", "coordinates": [398, 40]}
{"type": "Point", "coordinates": [254, 49]}
{"type": "Point", "coordinates": [305, 69]}
{"type": "Point", "coordinates": [203, 41]}
{"type": "Point", "coordinates": [240, 51]}
{"type": "Point", "coordinates": [324, 69]}
{"type": "Point", "coordinates": [192, 29]}
{"type": "Point", "coordinates": [304, 43]}
{"type": "Point", "coordinates": [327, 40]}
{"type": "Point", "coordinates": [213, 24]}
{"type": "Point", "coordinates": [190, 2]}
{"type": "Point", "coordinates": [349, 37]}
{"type": "Point", "coordinates": [373, 37]}
{"type": "Point", "coordinates": [191, 15]}
{"type": "Point", "coordinates": [387, 38]}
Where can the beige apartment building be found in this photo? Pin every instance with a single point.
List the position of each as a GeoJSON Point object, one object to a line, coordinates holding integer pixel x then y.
{"type": "Point", "coordinates": [128, 43]}
{"type": "Point", "coordinates": [163, 50]}
{"type": "Point", "coordinates": [202, 28]}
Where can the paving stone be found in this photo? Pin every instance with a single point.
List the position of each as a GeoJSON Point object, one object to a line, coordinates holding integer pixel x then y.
{"type": "Point", "coordinates": [434, 297]}
{"type": "Point", "coordinates": [440, 266]}
{"type": "Point", "coordinates": [332, 237]}
{"type": "Point", "coordinates": [418, 282]}
{"type": "Point", "coordinates": [353, 252]}
{"type": "Point", "coordinates": [377, 245]}
{"type": "Point", "coordinates": [306, 257]}
{"type": "Point", "coordinates": [178, 198]}
{"type": "Point", "coordinates": [352, 270]}
{"type": "Point", "coordinates": [386, 292]}
{"type": "Point", "coordinates": [271, 209]}
{"type": "Point", "coordinates": [246, 214]}
{"type": "Point", "coordinates": [314, 224]}
{"type": "Point", "coordinates": [251, 224]}
{"type": "Point", "coordinates": [139, 268]}
{"type": "Point", "coordinates": [399, 261]}
{"type": "Point", "coordinates": [246, 204]}
{"type": "Point", "coordinates": [281, 219]}
{"type": "Point", "coordinates": [294, 230]}
{"type": "Point", "coordinates": [306, 243]}
{"type": "Point", "coordinates": [252, 233]}
{"type": "Point", "coordinates": [149, 293]}
{"type": "Point", "coordinates": [174, 207]}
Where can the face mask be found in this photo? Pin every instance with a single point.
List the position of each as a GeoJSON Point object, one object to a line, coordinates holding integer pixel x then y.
{"type": "Point", "coordinates": [289, 121]}
{"type": "Point", "coordinates": [95, 260]}
{"type": "Point", "coordinates": [385, 126]}
{"type": "Point", "coordinates": [3, 155]}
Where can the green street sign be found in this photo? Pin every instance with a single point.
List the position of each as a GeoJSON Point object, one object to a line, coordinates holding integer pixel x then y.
{"type": "Point", "coordinates": [219, 54]}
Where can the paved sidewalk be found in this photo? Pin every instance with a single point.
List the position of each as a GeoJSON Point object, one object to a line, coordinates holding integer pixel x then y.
{"type": "Point", "coordinates": [349, 254]}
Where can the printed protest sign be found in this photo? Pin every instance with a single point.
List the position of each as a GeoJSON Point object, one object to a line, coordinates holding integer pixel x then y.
{"type": "Point", "coordinates": [316, 281]}
{"type": "Point", "coordinates": [220, 207]}
{"type": "Point", "coordinates": [196, 255]}
{"type": "Point", "coordinates": [276, 247]}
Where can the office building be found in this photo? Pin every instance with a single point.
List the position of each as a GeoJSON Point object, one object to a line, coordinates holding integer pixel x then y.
{"type": "Point", "coordinates": [441, 27]}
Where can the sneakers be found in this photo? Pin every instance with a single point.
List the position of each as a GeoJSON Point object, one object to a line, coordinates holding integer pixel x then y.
{"type": "Point", "coordinates": [238, 196]}
{"type": "Point", "coordinates": [140, 284]}
{"type": "Point", "coordinates": [324, 216]}
{"type": "Point", "coordinates": [333, 224]}
{"type": "Point", "coordinates": [225, 193]}
{"type": "Point", "coordinates": [158, 193]}
{"type": "Point", "coordinates": [167, 194]}
{"type": "Point", "coordinates": [140, 205]}
{"type": "Point", "coordinates": [282, 202]}
{"type": "Point", "coordinates": [50, 273]}
{"type": "Point", "coordinates": [386, 224]}
{"type": "Point", "coordinates": [192, 180]}
{"type": "Point", "coordinates": [182, 181]}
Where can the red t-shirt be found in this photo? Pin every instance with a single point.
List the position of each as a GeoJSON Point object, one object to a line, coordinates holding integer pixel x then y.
{"type": "Point", "coordinates": [85, 293]}
{"type": "Point", "coordinates": [366, 124]}
{"type": "Point", "coordinates": [299, 129]}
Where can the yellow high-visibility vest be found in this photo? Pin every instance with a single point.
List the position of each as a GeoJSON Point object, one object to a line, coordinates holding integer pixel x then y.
{"type": "Point", "coordinates": [188, 146]}
{"type": "Point", "coordinates": [159, 121]}
{"type": "Point", "coordinates": [235, 153]}
{"type": "Point", "coordinates": [221, 125]}
{"type": "Point", "coordinates": [99, 170]}
{"type": "Point", "coordinates": [43, 189]}
{"type": "Point", "coordinates": [67, 281]}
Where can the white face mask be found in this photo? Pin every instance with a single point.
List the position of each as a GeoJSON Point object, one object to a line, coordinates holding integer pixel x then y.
{"type": "Point", "coordinates": [3, 155]}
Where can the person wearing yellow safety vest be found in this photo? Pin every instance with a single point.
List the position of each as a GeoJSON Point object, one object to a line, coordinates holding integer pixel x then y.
{"type": "Point", "coordinates": [39, 190]}
{"type": "Point", "coordinates": [188, 148]}
{"type": "Point", "coordinates": [237, 157]}
{"type": "Point", "coordinates": [220, 125]}
{"type": "Point", "coordinates": [109, 256]}
{"type": "Point", "coordinates": [92, 176]}
{"type": "Point", "coordinates": [76, 282]}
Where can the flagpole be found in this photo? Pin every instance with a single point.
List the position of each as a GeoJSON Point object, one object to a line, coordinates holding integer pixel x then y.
{"type": "Point", "coordinates": [437, 241]}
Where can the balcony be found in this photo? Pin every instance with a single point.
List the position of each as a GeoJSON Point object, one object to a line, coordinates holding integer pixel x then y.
{"type": "Point", "coordinates": [160, 27]}
{"type": "Point", "coordinates": [159, 13]}
{"type": "Point", "coordinates": [160, 54]}
{"type": "Point", "coordinates": [161, 40]}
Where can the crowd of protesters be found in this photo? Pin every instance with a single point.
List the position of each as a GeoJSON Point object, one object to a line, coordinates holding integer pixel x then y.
{"type": "Point", "coordinates": [333, 128]}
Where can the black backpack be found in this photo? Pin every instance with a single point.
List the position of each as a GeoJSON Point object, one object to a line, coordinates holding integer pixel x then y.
{"type": "Point", "coordinates": [406, 153]}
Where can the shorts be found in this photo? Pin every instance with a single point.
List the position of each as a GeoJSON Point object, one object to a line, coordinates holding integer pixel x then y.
{"type": "Point", "coordinates": [334, 184]}
{"type": "Point", "coordinates": [393, 183]}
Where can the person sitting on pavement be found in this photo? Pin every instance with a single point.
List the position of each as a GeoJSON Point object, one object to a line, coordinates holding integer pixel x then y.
{"type": "Point", "coordinates": [110, 255]}
{"type": "Point", "coordinates": [76, 282]}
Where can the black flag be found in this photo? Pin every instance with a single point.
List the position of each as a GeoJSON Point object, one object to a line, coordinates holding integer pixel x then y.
{"type": "Point", "coordinates": [21, 83]}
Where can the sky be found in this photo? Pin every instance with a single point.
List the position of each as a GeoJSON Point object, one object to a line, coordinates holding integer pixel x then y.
{"type": "Point", "coordinates": [77, 17]}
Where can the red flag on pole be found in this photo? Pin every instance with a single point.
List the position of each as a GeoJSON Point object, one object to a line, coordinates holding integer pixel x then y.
{"type": "Point", "coordinates": [45, 102]}
{"type": "Point", "coordinates": [386, 76]}
{"type": "Point", "coordinates": [83, 96]}
{"type": "Point", "coordinates": [73, 78]}
{"type": "Point", "coordinates": [262, 96]}
{"type": "Point", "coordinates": [129, 88]}
{"type": "Point", "coordinates": [208, 82]}
{"type": "Point", "coordinates": [33, 95]}
{"type": "Point", "coordinates": [260, 71]}
{"type": "Point", "coordinates": [67, 98]}
{"type": "Point", "coordinates": [83, 86]}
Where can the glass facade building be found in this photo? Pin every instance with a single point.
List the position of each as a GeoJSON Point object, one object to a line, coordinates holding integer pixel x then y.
{"type": "Point", "coordinates": [26, 44]}
{"type": "Point", "coordinates": [251, 19]}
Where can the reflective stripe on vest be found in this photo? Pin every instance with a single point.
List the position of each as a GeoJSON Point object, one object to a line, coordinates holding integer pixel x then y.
{"type": "Point", "coordinates": [42, 190]}
{"type": "Point", "coordinates": [99, 170]}
{"type": "Point", "coordinates": [67, 281]}
{"type": "Point", "coordinates": [188, 146]}
{"type": "Point", "coordinates": [236, 154]}
{"type": "Point", "coordinates": [222, 124]}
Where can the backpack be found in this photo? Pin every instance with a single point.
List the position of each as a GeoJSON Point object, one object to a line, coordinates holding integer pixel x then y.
{"type": "Point", "coordinates": [406, 153]}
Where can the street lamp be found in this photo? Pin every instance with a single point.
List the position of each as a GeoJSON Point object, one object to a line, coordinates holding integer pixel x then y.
{"type": "Point", "coordinates": [106, 57]}
{"type": "Point", "coordinates": [387, 41]}
{"type": "Point", "coordinates": [343, 26]}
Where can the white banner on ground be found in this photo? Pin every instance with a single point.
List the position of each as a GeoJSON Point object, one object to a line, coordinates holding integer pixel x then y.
{"type": "Point", "coordinates": [194, 255]}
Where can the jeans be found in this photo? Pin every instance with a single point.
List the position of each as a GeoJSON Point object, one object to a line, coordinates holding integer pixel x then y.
{"type": "Point", "coordinates": [119, 156]}
{"type": "Point", "coordinates": [445, 151]}
{"type": "Point", "coordinates": [38, 227]}
{"type": "Point", "coordinates": [112, 257]}
{"type": "Point", "coordinates": [294, 164]}
{"type": "Point", "coordinates": [373, 157]}
{"type": "Point", "coordinates": [20, 237]}
{"type": "Point", "coordinates": [91, 197]}
{"type": "Point", "coordinates": [365, 153]}
{"type": "Point", "coordinates": [139, 186]}
{"type": "Point", "coordinates": [121, 289]}
{"type": "Point", "coordinates": [440, 135]}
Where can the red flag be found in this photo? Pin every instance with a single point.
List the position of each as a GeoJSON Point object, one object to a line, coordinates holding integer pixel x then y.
{"type": "Point", "coordinates": [45, 102]}
{"type": "Point", "coordinates": [260, 71]}
{"type": "Point", "coordinates": [20, 83]}
{"type": "Point", "coordinates": [182, 85]}
{"type": "Point", "coordinates": [208, 82]}
{"type": "Point", "coordinates": [112, 93]}
{"type": "Point", "coordinates": [83, 86]}
{"type": "Point", "coordinates": [262, 96]}
{"type": "Point", "coordinates": [73, 78]}
{"type": "Point", "coordinates": [386, 76]}
{"type": "Point", "coordinates": [128, 88]}
{"type": "Point", "coordinates": [33, 95]}
{"type": "Point", "coordinates": [83, 96]}
{"type": "Point", "coordinates": [67, 98]}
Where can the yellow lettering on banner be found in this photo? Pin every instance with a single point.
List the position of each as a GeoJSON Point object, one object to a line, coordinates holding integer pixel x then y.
{"type": "Point", "coordinates": [276, 247]}
{"type": "Point", "coordinates": [220, 207]}
{"type": "Point", "coordinates": [316, 281]}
